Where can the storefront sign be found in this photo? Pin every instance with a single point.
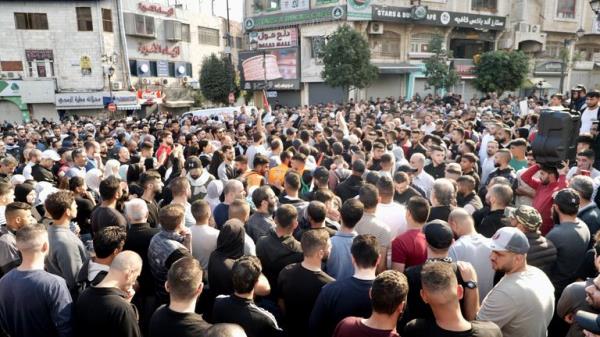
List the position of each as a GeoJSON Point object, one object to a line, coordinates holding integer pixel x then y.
{"type": "Point", "coordinates": [83, 100]}
{"type": "Point", "coordinates": [10, 88]}
{"type": "Point", "coordinates": [156, 8]}
{"type": "Point", "coordinates": [285, 19]}
{"type": "Point", "coordinates": [39, 54]}
{"type": "Point", "coordinates": [293, 5]}
{"type": "Point", "coordinates": [157, 48]}
{"type": "Point", "coordinates": [551, 67]}
{"type": "Point", "coordinates": [277, 67]}
{"type": "Point", "coordinates": [277, 38]}
{"type": "Point", "coordinates": [465, 68]}
{"type": "Point", "coordinates": [439, 18]}
{"type": "Point", "coordinates": [124, 98]}
{"type": "Point", "coordinates": [149, 97]}
{"type": "Point", "coordinates": [162, 68]}
{"type": "Point", "coordinates": [85, 63]}
{"type": "Point", "coordinates": [359, 10]}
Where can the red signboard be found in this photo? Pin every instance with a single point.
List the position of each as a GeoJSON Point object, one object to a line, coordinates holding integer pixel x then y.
{"type": "Point", "coordinates": [157, 48]}
{"type": "Point", "coordinates": [156, 8]}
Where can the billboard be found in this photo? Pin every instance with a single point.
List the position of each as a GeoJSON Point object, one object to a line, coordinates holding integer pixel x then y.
{"type": "Point", "coordinates": [278, 67]}
{"type": "Point", "coordinates": [276, 38]}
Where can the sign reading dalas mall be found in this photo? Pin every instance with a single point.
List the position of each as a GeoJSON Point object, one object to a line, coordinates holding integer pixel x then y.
{"type": "Point", "coordinates": [277, 38]}
{"type": "Point", "coordinates": [439, 18]}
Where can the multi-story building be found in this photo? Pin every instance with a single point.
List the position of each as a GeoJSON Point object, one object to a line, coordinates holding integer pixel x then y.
{"type": "Point", "coordinates": [77, 56]}
{"type": "Point", "coordinates": [399, 31]}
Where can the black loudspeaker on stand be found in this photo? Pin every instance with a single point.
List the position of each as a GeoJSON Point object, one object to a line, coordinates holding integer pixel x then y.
{"type": "Point", "coordinates": [556, 140]}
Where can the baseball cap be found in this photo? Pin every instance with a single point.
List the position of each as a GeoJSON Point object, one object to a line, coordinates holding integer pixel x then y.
{"type": "Point", "coordinates": [588, 321]}
{"type": "Point", "coordinates": [193, 162]}
{"type": "Point", "coordinates": [509, 239]}
{"type": "Point", "coordinates": [567, 200]}
{"type": "Point", "coordinates": [527, 216]}
{"type": "Point", "coordinates": [50, 154]}
{"type": "Point", "coordinates": [438, 234]}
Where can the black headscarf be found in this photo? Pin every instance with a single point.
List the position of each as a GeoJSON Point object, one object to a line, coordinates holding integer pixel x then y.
{"type": "Point", "coordinates": [21, 192]}
{"type": "Point", "coordinates": [230, 247]}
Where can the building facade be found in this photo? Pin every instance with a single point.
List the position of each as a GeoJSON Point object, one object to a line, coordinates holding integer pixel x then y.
{"type": "Point", "coordinates": [76, 57]}
{"type": "Point", "coordinates": [399, 31]}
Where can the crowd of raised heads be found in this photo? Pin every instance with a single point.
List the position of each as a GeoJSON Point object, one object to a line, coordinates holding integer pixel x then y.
{"type": "Point", "coordinates": [422, 216]}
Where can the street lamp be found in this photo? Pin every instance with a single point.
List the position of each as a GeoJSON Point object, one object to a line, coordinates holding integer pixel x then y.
{"type": "Point", "coordinates": [580, 32]}
{"type": "Point", "coordinates": [110, 73]}
{"type": "Point", "coordinates": [595, 4]}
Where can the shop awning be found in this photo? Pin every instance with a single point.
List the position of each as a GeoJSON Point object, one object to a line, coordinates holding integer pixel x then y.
{"type": "Point", "coordinates": [178, 104]}
{"type": "Point", "coordinates": [128, 106]}
{"type": "Point", "coordinates": [397, 68]}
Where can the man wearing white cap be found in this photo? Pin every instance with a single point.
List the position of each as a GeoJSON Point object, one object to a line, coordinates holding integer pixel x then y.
{"type": "Point", "coordinates": [522, 303]}
{"type": "Point", "coordinates": [42, 171]}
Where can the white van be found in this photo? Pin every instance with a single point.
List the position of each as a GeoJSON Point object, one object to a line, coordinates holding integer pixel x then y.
{"type": "Point", "coordinates": [232, 111]}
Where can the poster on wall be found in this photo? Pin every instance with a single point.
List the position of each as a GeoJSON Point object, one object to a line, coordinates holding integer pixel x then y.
{"type": "Point", "coordinates": [276, 38]}
{"type": "Point", "coordinates": [277, 67]}
{"type": "Point", "coordinates": [359, 10]}
{"type": "Point", "coordinates": [294, 5]}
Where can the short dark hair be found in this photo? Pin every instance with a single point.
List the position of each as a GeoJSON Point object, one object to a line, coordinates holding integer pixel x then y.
{"type": "Point", "coordinates": [201, 210]}
{"type": "Point", "coordinates": [418, 207]}
{"type": "Point", "coordinates": [351, 212]}
{"type": "Point", "coordinates": [385, 186]}
{"type": "Point", "coordinates": [323, 195]}
{"type": "Point", "coordinates": [292, 179]}
{"type": "Point", "coordinates": [365, 251]}
{"type": "Point", "coordinates": [388, 291]}
{"type": "Point", "coordinates": [148, 177]}
{"type": "Point", "coordinates": [438, 276]}
{"type": "Point", "coordinates": [313, 240]}
{"type": "Point", "coordinates": [589, 153]}
{"type": "Point", "coordinates": [369, 196]}
{"type": "Point", "coordinates": [260, 159]}
{"type": "Point", "coordinates": [285, 215]}
{"type": "Point", "coordinates": [15, 207]}
{"type": "Point", "coordinates": [58, 203]}
{"type": "Point", "coordinates": [109, 187]}
{"type": "Point", "coordinates": [171, 216]}
{"type": "Point", "coordinates": [503, 193]}
{"type": "Point", "coordinates": [184, 277]}
{"type": "Point", "coordinates": [259, 195]}
{"type": "Point", "coordinates": [245, 273]}
{"type": "Point", "coordinates": [401, 177]}
{"type": "Point", "coordinates": [107, 239]}
{"type": "Point", "coordinates": [75, 182]}
{"type": "Point", "coordinates": [316, 211]}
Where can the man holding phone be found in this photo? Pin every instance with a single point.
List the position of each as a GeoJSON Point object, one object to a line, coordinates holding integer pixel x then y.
{"type": "Point", "coordinates": [585, 160]}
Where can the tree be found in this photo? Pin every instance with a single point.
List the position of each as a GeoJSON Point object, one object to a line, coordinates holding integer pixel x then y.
{"type": "Point", "coordinates": [347, 60]}
{"type": "Point", "coordinates": [218, 79]}
{"type": "Point", "coordinates": [438, 72]}
{"type": "Point", "coordinates": [499, 71]}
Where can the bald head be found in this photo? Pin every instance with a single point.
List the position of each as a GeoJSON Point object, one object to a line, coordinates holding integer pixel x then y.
{"type": "Point", "coordinates": [461, 222]}
{"type": "Point", "coordinates": [232, 190]}
{"type": "Point", "coordinates": [127, 261]}
{"type": "Point", "coordinates": [136, 211]}
{"type": "Point", "coordinates": [417, 161]}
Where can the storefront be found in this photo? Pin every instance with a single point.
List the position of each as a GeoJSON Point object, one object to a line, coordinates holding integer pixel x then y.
{"type": "Point", "coordinates": [80, 103]}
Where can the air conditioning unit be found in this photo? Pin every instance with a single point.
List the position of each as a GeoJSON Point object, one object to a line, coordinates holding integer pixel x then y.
{"type": "Point", "coordinates": [523, 27]}
{"type": "Point", "coordinates": [164, 81]}
{"type": "Point", "coordinates": [10, 74]}
{"type": "Point", "coordinates": [146, 81]}
{"type": "Point", "coordinates": [117, 85]}
{"type": "Point", "coordinates": [376, 28]}
{"type": "Point", "coordinates": [534, 28]}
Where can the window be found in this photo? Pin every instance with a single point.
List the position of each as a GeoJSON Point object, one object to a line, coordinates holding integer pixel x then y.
{"type": "Point", "coordinates": [40, 68]}
{"type": "Point", "coordinates": [552, 50]}
{"type": "Point", "coordinates": [84, 19]}
{"type": "Point", "coordinates": [386, 45]}
{"type": "Point", "coordinates": [107, 25]}
{"type": "Point", "coordinates": [565, 9]}
{"type": "Point", "coordinates": [137, 24]}
{"type": "Point", "coordinates": [31, 21]}
{"type": "Point", "coordinates": [266, 5]}
{"type": "Point", "coordinates": [185, 32]}
{"type": "Point", "coordinates": [208, 36]}
{"type": "Point", "coordinates": [239, 42]}
{"type": "Point", "coordinates": [484, 5]}
{"type": "Point", "coordinates": [316, 45]}
{"type": "Point", "coordinates": [419, 43]}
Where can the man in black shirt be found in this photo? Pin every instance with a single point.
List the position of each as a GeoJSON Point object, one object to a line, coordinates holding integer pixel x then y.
{"type": "Point", "coordinates": [279, 248]}
{"type": "Point", "coordinates": [184, 285]}
{"type": "Point", "coordinates": [152, 184]}
{"type": "Point", "coordinates": [106, 214]}
{"type": "Point", "coordinates": [299, 284]}
{"type": "Point", "coordinates": [104, 310]}
{"type": "Point", "coordinates": [403, 190]}
{"type": "Point", "coordinates": [349, 188]}
{"type": "Point", "coordinates": [239, 308]}
{"type": "Point", "coordinates": [437, 166]}
{"type": "Point", "coordinates": [489, 219]}
{"type": "Point", "coordinates": [442, 292]}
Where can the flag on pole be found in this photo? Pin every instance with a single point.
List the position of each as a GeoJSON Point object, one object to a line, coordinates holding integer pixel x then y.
{"type": "Point", "coordinates": [265, 100]}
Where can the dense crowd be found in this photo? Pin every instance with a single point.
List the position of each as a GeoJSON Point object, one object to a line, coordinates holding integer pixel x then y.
{"type": "Point", "coordinates": [427, 216]}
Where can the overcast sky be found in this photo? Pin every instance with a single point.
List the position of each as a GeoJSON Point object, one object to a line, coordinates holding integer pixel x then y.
{"type": "Point", "coordinates": [235, 9]}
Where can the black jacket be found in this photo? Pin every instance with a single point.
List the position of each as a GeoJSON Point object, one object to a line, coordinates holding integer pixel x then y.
{"type": "Point", "coordinates": [138, 240]}
{"type": "Point", "coordinates": [255, 321]}
{"type": "Point", "coordinates": [40, 173]}
{"type": "Point", "coordinates": [591, 216]}
{"type": "Point", "coordinates": [542, 253]}
{"type": "Point", "coordinates": [349, 188]}
{"type": "Point", "coordinates": [488, 222]}
{"type": "Point", "coordinates": [275, 253]}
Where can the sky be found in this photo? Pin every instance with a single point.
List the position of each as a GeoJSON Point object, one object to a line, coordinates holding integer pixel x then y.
{"type": "Point", "coordinates": [235, 9]}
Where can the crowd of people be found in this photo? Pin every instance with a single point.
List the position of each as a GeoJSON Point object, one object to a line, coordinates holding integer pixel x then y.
{"type": "Point", "coordinates": [426, 216]}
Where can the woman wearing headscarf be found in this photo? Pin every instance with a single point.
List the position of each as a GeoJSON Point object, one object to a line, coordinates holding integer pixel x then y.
{"type": "Point", "coordinates": [93, 178]}
{"type": "Point", "coordinates": [25, 192]}
{"type": "Point", "coordinates": [112, 168]}
{"type": "Point", "coordinates": [230, 247]}
{"type": "Point", "coordinates": [213, 193]}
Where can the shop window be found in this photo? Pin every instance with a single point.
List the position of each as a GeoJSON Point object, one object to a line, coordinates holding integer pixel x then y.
{"type": "Point", "coordinates": [40, 68]}
{"type": "Point", "coordinates": [208, 36]}
{"type": "Point", "coordinates": [565, 9]}
{"type": "Point", "coordinates": [31, 21]}
{"type": "Point", "coordinates": [84, 19]}
{"type": "Point", "coordinates": [386, 45]}
{"type": "Point", "coordinates": [265, 5]}
{"type": "Point", "coordinates": [466, 49]}
{"type": "Point", "coordinates": [185, 33]}
{"type": "Point", "coordinates": [107, 24]}
{"type": "Point", "coordinates": [484, 5]}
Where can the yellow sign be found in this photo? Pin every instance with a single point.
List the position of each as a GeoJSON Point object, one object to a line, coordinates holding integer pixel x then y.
{"type": "Point", "coordinates": [85, 63]}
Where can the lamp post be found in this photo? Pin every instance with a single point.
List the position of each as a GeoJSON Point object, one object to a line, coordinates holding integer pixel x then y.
{"type": "Point", "coordinates": [110, 73]}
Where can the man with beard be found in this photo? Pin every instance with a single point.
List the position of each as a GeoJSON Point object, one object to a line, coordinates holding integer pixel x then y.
{"type": "Point", "coordinates": [12, 148]}
{"type": "Point", "coordinates": [166, 146]}
{"type": "Point", "coordinates": [416, 147]}
{"type": "Point", "coordinates": [492, 128]}
{"type": "Point", "coordinates": [198, 177]}
{"type": "Point", "coordinates": [466, 196]}
{"type": "Point", "coordinates": [152, 184]}
{"type": "Point", "coordinates": [551, 180]}
{"type": "Point", "coordinates": [261, 222]}
{"type": "Point", "coordinates": [487, 161]}
{"type": "Point", "coordinates": [42, 171]}
{"type": "Point", "coordinates": [522, 303]}
{"type": "Point", "coordinates": [590, 113]}
{"type": "Point", "coordinates": [225, 169]}
{"type": "Point", "coordinates": [501, 162]}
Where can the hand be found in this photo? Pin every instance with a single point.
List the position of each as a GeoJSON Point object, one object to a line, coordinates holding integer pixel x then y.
{"type": "Point", "coordinates": [467, 272]}
{"type": "Point", "coordinates": [564, 169]}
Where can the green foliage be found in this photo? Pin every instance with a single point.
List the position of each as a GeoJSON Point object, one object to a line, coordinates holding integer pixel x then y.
{"type": "Point", "coordinates": [500, 71]}
{"type": "Point", "coordinates": [217, 79]}
{"type": "Point", "coordinates": [347, 60]}
{"type": "Point", "coordinates": [438, 73]}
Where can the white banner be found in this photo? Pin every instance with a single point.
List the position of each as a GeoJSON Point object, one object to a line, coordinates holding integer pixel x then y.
{"type": "Point", "coordinates": [276, 38]}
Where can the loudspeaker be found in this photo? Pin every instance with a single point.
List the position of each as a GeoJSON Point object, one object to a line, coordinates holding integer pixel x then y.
{"type": "Point", "coordinates": [556, 139]}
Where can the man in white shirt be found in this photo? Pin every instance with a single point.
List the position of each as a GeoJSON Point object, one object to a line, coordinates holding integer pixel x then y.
{"type": "Point", "coordinates": [391, 213]}
{"type": "Point", "coordinates": [471, 247]}
{"type": "Point", "coordinates": [33, 157]}
{"type": "Point", "coordinates": [256, 148]}
{"type": "Point", "coordinates": [488, 160]}
{"type": "Point", "coordinates": [204, 237]}
{"type": "Point", "coordinates": [421, 178]}
{"type": "Point", "coordinates": [590, 114]}
{"type": "Point", "coordinates": [428, 126]}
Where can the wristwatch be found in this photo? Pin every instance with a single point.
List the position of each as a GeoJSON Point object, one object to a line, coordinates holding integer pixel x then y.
{"type": "Point", "coordinates": [470, 284]}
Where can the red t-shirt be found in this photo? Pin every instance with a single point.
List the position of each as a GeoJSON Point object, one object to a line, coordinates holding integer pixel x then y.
{"type": "Point", "coordinates": [353, 327]}
{"type": "Point", "coordinates": [163, 148]}
{"type": "Point", "coordinates": [410, 248]}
